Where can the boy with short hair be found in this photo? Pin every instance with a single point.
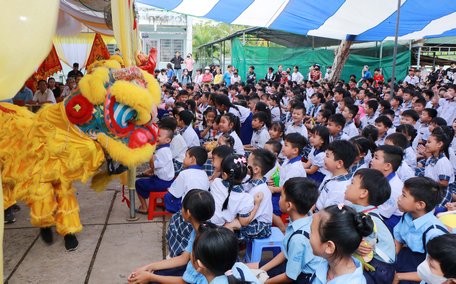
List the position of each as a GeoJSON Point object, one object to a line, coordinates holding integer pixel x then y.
{"type": "Point", "coordinates": [191, 177]}
{"type": "Point", "coordinates": [178, 145]}
{"type": "Point", "coordinates": [296, 263]}
{"type": "Point", "coordinates": [368, 190]}
{"type": "Point", "coordinates": [371, 113]}
{"type": "Point", "coordinates": [291, 167]}
{"type": "Point", "coordinates": [418, 225]}
{"type": "Point", "coordinates": [340, 155]}
{"type": "Point", "coordinates": [396, 103]}
{"type": "Point", "coordinates": [425, 119]}
{"type": "Point", "coordinates": [336, 124]}
{"type": "Point", "coordinates": [260, 133]}
{"type": "Point", "coordinates": [297, 116]}
{"type": "Point", "coordinates": [184, 122]}
{"type": "Point", "coordinates": [349, 113]}
{"type": "Point", "coordinates": [407, 96]}
{"type": "Point", "coordinates": [387, 160]}
{"type": "Point", "coordinates": [405, 171]}
{"type": "Point", "coordinates": [383, 125]}
{"type": "Point", "coordinates": [161, 172]}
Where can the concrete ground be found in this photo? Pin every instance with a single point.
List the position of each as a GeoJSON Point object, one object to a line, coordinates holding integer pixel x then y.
{"type": "Point", "coordinates": [109, 246]}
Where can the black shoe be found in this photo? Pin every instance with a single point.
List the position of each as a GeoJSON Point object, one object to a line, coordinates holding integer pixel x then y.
{"type": "Point", "coordinates": [71, 242]}
{"type": "Point", "coordinates": [46, 235]}
{"type": "Point", "coordinates": [9, 216]}
{"type": "Point", "coordinates": [16, 208]}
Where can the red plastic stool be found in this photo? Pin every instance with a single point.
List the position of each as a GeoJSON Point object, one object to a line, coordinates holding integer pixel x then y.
{"type": "Point", "coordinates": [153, 203]}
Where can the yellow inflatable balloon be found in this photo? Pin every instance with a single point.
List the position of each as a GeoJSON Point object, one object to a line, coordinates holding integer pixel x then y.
{"type": "Point", "coordinates": [26, 31]}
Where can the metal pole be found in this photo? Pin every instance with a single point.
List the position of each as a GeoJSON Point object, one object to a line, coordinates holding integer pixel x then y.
{"type": "Point", "coordinates": [395, 46]}
{"type": "Point", "coordinates": [131, 193]}
{"type": "Point", "coordinates": [381, 54]}
{"type": "Point", "coordinates": [418, 60]}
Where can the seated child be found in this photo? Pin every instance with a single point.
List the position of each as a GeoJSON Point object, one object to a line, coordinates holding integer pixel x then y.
{"type": "Point", "coordinates": [364, 148]}
{"type": "Point", "coordinates": [215, 252]}
{"type": "Point", "coordinates": [383, 124]}
{"type": "Point", "coordinates": [296, 263]}
{"type": "Point", "coordinates": [178, 145]}
{"type": "Point", "coordinates": [387, 159]}
{"type": "Point", "coordinates": [368, 190]}
{"type": "Point", "coordinates": [197, 207]}
{"type": "Point", "coordinates": [417, 226]}
{"type": "Point", "coordinates": [297, 126]}
{"type": "Point", "coordinates": [260, 133]}
{"type": "Point", "coordinates": [274, 147]}
{"type": "Point", "coordinates": [349, 113]}
{"type": "Point", "coordinates": [260, 162]}
{"type": "Point", "coordinates": [440, 264]}
{"type": "Point", "coordinates": [230, 199]}
{"type": "Point", "coordinates": [336, 233]}
{"type": "Point", "coordinates": [184, 122]}
{"type": "Point", "coordinates": [315, 166]}
{"type": "Point", "coordinates": [291, 167]}
{"type": "Point", "coordinates": [336, 123]}
{"type": "Point", "coordinates": [340, 155]}
{"type": "Point", "coordinates": [192, 176]}
{"type": "Point", "coordinates": [218, 154]}
{"type": "Point", "coordinates": [161, 170]}
{"type": "Point", "coordinates": [229, 124]}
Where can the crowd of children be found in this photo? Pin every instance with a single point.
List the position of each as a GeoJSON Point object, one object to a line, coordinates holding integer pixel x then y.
{"type": "Point", "coordinates": [361, 176]}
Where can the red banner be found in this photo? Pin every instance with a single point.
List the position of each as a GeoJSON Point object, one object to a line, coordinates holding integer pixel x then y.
{"type": "Point", "coordinates": [49, 66]}
{"type": "Point", "coordinates": [99, 50]}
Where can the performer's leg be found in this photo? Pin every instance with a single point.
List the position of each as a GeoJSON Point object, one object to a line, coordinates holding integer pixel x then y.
{"type": "Point", "coordinates": [42, 205]}
{"type": "Point", "coordinates": [67, 215]}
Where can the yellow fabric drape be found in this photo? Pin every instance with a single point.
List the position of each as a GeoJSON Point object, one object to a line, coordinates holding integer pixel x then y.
{"type": "Point", "coordinates": [122, 22]}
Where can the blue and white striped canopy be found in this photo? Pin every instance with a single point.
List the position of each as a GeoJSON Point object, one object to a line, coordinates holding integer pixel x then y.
{"type": "Point", "coordinates": [361, 20]}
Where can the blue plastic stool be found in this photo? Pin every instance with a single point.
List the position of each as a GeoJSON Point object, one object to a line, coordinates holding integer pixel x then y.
{"type": "Point", "coordinates": [255, 248]}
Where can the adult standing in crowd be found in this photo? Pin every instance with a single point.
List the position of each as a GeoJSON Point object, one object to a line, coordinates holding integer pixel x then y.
{"type": "Point", "coordinates": [189, 64]}
{"type": "Point", "coordinates": [177, 61]}
{"type": "Point", "coordinates": [75, 72]}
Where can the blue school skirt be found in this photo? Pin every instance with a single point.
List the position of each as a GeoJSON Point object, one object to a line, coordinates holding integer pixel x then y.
{"type": "Point", "coordinates": [255, 230]}
{"type": "Point", "coordinates": [383, 274]}
{"type": "Point", "coordinates": [275, 204]}
{"type": "Point", "coordinates": [145, 186]}
{"type": "Point", "coordinates": [246, 131]}
{"type": "Point", "coordinates": [408, 261]}
{"type": "Point", "coordinates": [303, 278]}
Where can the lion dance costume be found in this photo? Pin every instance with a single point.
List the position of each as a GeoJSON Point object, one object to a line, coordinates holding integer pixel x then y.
{"type": "Point", "coordinates": [108, 115]}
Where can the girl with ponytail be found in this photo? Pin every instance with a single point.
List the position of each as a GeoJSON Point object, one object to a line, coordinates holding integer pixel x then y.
{"type": "Point", "coordinates": [230, 198]}
{"type": "Point", "coordinates": [336, 233]}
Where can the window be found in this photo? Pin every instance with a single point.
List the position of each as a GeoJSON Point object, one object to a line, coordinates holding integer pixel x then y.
{"type": "Point", "coordinates": [168, 47]}
{"type": "Point", "coordinates": [148, 44]}
{"type": "Point", "coordinates": [111, 48]}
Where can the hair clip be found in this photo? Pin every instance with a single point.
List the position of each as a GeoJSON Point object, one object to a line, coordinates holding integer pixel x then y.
{"type": "Point", "coordinates": [240, 160]}
{"type": "Point", "coordinates": [340, 206]}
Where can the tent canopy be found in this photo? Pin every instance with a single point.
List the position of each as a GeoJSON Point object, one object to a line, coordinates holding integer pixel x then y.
{"type": "Point", "coordinates": [358, 20]}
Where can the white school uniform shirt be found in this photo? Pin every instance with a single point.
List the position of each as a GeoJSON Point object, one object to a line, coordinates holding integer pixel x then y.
{"type": "Point", "coordinates": [448, 111]}
{"type": "Point", "coordinates": [340, 136]}
{"type": "Point", "coordinates": [291, 168]}
{"type": "Point", "coordinates": [405, 172]}
{"type": "Point", "coordinates": [368, 120]}
{"type": "Point", "coordinates": [260, 137]}
{"type": "Point", "coordinates": [275, 114]}
{"type": "Point", "coordinates": [264, 212]}
{"type": "Point", "coordinates": [410, 157]}
{"type": "Point", "coordinates": [238, 146]}
{"type": "Point", "coordinates": [188, 179]}
{"type": "Point", "coordinates": [240, 203]}
{"type": "Point", "coordinates": [243, 112]}
{"type": "Point", "coordinates": [439, 169]}
{"type": "Point", "coordinates": [424, 131]}
{"type": "Point", "coordinates": [356, 277]}
{"type": "Point", "coordinates": [163, 163]}
{"type": "Point", "coordinates": [332, 190]}
{"type": "Point", "coordinates": [350, 129]}
{"type": "Point", "coordinates": [318, 160]}
{"type": "Point", "coordinates": [190, 136]}
{"type": "Point", "coordinates": [389, 208]}
{"type": "Point", "coordinates": [301, 129]}
{"type": "Point", "coordinates": [178, 148]}
{"type": "Point", "coordinates": [297, 77]}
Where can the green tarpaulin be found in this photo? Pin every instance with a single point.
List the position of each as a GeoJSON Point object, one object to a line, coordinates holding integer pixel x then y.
{"type": "Point", "coordinates": [264, 57]}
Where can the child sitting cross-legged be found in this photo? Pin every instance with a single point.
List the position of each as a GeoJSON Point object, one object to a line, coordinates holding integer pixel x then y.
{"type": "Point", "coordinates": [417, 226]}
{"type": "Point", "coordinates": [197, 207]}
{"type": "Point", "coordinates": [296, 263]}
{"type": "Point", "coordinates": [192, 176]}
{"type": "Point", "coordinates": [161, 170]}
{"type": "Point", "coordinates": [369, 189]}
